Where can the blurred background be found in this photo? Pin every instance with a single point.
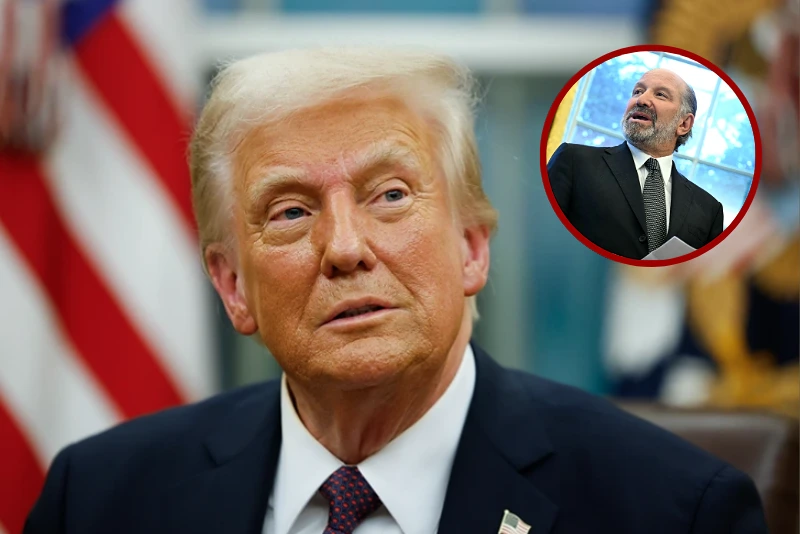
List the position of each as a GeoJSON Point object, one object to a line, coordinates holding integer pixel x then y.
{"type": "Point", "coordinates": [721, 154]}
{"type": "Point", "coordinates": [105, 313]}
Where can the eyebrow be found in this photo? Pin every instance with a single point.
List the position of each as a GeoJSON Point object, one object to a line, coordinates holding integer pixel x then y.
{"type": "Point", "coordinates": [656, 88]}
{"type": "Point", "coordinates": [378, 155]}
{"type": "Point", "coordinates": [277, 178]}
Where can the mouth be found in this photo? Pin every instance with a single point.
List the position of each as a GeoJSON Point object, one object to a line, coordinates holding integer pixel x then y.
{"type": "Point", "coordinates": [357, 311]}
{"type": "Point", "coordinates": [638, 116]}
{"type": "Point", "coordinates": [361, 310]}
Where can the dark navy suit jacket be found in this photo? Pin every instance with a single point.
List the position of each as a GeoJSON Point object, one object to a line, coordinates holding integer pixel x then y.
{"type": "Point", "coordinates": [598, 190]}
{"type": "Point", "coordinates": [562, 460]}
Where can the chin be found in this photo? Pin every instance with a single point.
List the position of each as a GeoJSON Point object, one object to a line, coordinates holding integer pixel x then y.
{"type": "Point", "coordinates": [638, 133]}
{"type": "Point", "coordinates": [365, 362]}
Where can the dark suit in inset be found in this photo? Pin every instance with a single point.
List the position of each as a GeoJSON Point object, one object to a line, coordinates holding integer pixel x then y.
{"type": "Point", "coordinates": [598, 190]}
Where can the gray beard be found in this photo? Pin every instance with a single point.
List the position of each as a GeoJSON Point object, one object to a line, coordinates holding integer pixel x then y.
{"type": "Point", "coordinates": [649, 136]}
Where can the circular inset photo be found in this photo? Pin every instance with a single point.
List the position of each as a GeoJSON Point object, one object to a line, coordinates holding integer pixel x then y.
{"type": "Point", "coordinates": [650, 155]}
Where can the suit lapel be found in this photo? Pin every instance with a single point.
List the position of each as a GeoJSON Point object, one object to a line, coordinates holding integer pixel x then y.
{"type": "Point", "coordinates": [681, 200]}
{"type": "Point", "coordinates": [231, 494]}
{"type": "Point", "coordinates": [500, 440]}
{"type": "Point", "coordinates": [620, 161]}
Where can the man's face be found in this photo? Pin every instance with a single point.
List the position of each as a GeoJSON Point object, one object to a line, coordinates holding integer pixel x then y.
{"type": "Point", "coordinates": [652, 121]}
{"type": "Point", "coordinates": [351, 264]}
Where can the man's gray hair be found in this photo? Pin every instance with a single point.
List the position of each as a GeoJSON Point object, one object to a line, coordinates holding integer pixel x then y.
{"type": "Point", "coordinates": [688, 105]}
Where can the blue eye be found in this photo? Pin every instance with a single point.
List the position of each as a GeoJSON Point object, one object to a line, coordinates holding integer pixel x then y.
{"type": "Point", "coordinates": [394, 195]}
{"type": "Point", "coordinates": [293, 213]}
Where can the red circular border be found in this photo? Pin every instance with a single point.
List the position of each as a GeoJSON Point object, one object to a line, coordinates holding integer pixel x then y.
{"type": "Point", "coordinates": [548, 124]}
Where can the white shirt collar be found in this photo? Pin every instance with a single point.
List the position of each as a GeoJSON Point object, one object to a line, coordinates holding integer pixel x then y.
{"type": "Point", "coordinates": [664, 162]}
{"type": "Point", "coordinates": [420, 458]}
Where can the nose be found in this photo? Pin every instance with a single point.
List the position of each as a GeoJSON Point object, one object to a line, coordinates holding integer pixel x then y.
{"type": "Point", "coordinates": [644, 100]}
{"type": "Point", "coordinates": [344, 243]}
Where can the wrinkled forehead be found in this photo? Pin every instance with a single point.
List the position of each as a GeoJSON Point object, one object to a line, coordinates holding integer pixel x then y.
{"type": "Point", "coordinates": [661, 78]}
{"type": "Point", "coordinates": [337, 138]}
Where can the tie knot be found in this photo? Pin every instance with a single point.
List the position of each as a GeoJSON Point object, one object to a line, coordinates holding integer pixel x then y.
{"type": "Point", "coordinates": [351, 499]}
{"type": "Point", "coordinates": [652, 165]}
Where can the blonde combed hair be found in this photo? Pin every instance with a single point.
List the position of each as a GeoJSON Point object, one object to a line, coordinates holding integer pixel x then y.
{"type": "Point", "coordinates": [267, 88]}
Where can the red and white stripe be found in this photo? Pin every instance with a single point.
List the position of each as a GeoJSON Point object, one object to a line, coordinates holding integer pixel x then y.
{"type": "Point", "coordinates": [512, 524]}
{"type": "Point", "coordinates": [519, 529]}
{"type": "Point", "coordinates": [103, 302]}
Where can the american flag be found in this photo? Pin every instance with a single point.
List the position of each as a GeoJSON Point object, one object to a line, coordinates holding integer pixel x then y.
{"type": "Point", "coordinates": [512, 524]}
{"type": "Point", "coordinates": [103, 304]}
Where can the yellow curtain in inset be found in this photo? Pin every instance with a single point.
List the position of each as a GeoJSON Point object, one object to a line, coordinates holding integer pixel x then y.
{"type": "Point", "coordinates": [560, 121]}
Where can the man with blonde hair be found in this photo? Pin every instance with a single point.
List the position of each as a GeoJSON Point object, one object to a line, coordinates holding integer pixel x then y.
{"type": "Point", "coordinates": [342, 220]}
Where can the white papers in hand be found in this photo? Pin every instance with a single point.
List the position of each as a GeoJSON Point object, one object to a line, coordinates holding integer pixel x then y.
{"type": "Point", "coordinates": [671, 249]}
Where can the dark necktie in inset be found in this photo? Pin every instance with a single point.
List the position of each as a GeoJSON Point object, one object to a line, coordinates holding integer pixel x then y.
{"type": "Point", "coordinates": [351, 500]}
{"type": "Point", "coordinates": [655, 206]}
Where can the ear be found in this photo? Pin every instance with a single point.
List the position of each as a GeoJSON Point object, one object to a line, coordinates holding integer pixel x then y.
{"type": "Point", "coordinates": [686, 124]}
{"type": "Point", "coordinates": [475, 252]}
{"type": "Point", "coordinates": [222, 268]}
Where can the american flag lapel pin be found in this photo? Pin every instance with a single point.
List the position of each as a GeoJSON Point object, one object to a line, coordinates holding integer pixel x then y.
{"type": "Point", "coordinates": [512, 524]}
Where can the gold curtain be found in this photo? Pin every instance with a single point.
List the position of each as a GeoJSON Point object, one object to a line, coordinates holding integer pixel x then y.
{"type": "Point", "coordinates": [559, 125]}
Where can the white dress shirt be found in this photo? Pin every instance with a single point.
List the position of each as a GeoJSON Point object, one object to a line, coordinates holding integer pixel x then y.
{"type": "Point", "coordinates": [410, 474]}
{"type": "Point", "coordinates": [664, 162]}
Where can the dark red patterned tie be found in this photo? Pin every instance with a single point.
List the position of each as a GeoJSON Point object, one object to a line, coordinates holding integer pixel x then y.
{"type": "Point", "coordinates": [351, 500]}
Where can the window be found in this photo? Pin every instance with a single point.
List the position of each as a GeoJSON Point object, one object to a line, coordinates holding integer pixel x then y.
{"type": "Point", "coordinates": [720, 156]}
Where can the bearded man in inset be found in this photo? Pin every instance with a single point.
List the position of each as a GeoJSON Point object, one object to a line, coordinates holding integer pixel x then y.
{"type": "Point", "coordinates": [630, 199]}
